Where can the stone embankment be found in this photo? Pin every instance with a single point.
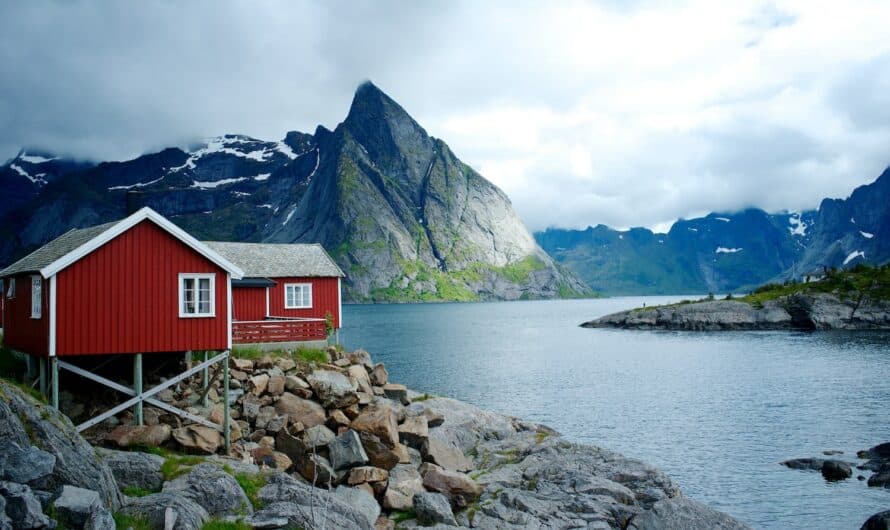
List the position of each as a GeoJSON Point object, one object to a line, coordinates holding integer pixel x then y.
{"type": "Point", "coordinates": [794, 312]}
{"type": "Point", "coordinates": [330, 445]}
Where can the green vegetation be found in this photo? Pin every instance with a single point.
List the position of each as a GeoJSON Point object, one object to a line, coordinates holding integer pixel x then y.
{"type": "Point", "coordinates": [176, 465]}
{"type": "Point", "coordinates": [520, 271]}
{"type": "Point", "coordinates": [312, 355]}
{"type": "Point", "coordinates": [401, 517]}
{"type": "Point", "coordinates": [218, 524]}
{"type": "Point", "coordinates": [251, 484]}
{"type": "Point", "coordinates": [424, 397]}
{"type": "Point", "coordinates": [302, 353]}
{"type": "Point", "coordinates": [131, 521]}
{"type": "Point", "coordinates": [135, 491]}
{"type": "Point", "coordinates": [860, 282]}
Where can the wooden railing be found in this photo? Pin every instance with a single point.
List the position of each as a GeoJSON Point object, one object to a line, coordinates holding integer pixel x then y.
{"type": "Point", "coordinates": [278, 329]}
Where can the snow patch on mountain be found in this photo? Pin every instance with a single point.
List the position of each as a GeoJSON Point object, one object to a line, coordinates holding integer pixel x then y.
{"type": "Point", "coordinates": [724, 219]}
{"type": "Point", "coordinates": [211, 184]}
{"type": "Point", "coordinates": [726, 250]}
{"type": "Point", "coordinates": [798, 226]}
{"type": "Point", "coordinates": [866, 235]}
{"type": "Point", "coordinates": [36, 179]}
{"type": "Point", "coordinates": [34, 159]}
{"type": "Point", "coordinates": [137, 185]}
{"type": "Point", "coordinates": [853, 255]}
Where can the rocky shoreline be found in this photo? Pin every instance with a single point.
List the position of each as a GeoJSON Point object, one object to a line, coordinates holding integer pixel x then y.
{"type": "Point", "coordinates": [331, 445]}
{"type": "Point", "coordinates": [806, 312]}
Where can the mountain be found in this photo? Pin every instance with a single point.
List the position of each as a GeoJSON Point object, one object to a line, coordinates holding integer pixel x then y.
{"type": "Point", "coordinates": [401, 214]}
{"type": "Point", "coordinates": [723, 252]}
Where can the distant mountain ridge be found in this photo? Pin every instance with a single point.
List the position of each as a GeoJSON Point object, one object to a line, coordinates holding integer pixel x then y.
{"type": "Point", "coordinates": [722, 252]}
{"type": "Point", "coordinates": [402, 215]}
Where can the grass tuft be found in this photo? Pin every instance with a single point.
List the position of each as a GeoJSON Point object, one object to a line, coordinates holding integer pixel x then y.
{"type": "Point", "coordinates": [123, 522]}
{"type": "Point", "coordinates": [135, 491]}
{"type": "Point", "coordinates": [251, 484]}
{"type": "Point", "coordinates": [218, 524]}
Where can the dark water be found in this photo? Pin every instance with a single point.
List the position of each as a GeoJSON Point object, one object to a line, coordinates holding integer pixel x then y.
{"type": "Point", "coordinates": [716, 411]}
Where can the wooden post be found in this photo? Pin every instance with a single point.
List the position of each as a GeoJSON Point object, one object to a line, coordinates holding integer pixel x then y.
{"type": "Point", "coordinates": [54, 372]}
{"type": "Point", "coordinates": [227, 434]}
{"type": "Point", "coordinates": [42, 376]}
{"type": "Point", "coordinates": [137, 387]}
{"type": "Point", "coordinates": [206, 374]}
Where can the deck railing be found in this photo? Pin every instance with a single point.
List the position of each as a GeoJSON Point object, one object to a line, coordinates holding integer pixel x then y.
{"type": "Point", "coordinates": [278, 329]}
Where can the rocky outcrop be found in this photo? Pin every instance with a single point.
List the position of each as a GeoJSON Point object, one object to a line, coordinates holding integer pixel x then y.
{"type": "Point", "coordinates": [820, 311]}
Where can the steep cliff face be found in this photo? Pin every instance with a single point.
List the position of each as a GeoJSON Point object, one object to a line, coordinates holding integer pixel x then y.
{"type": "Point", "coordinates": [402, 215]}
{"type": "Point", "coordinates": [407, 220]}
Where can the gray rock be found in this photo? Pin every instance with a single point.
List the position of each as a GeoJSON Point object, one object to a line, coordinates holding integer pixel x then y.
{"type": "Point", "coordinates": [75, 505]}
{"type": "Point", "coordinates": [266, 521]}
{"type": "Point", "coordinates": [836, 470]}
{"type": "Point", "coordinates": [444, 453]}
{"type": "Point", "coordinates": [878, 521]}
{"type": "Point", "coordinates": [76, 460]}
{"type": "Point", "coordinates": [188, 514]}
{"type": "Point", "coordinates": [134, 469]}
{"type": "Point", "coordinates": [347, 451]}
{"type": "Point", "coordinates": [681, 513]}
{"type": "Point", "coordinates": [316, 469]}
{"type": "Point", "coordinates": [213, 489]}
{"type": "Point", "coordinates": [813, 464]}
{"type": "Point", "coordinates": [307, 507]}
{"type": "Point", "coordinates": [22, 507]}
{"type": "Point", "coordinates": [319, 436]}
{"type": "Point", "coordinates": [361, 500]}
{"type": "Point", "coordinates": [5, 522]}
{"type": "Point", "coordinates": [334, 389]}
{"type": "Point", "coordinates": [100, 519]}
{"type": "Point", "coordinates": [404, 483]}
{"type": "Point", "coordinates": [433, 508]}
{"type": "Point", "coordinates": [24, 464]}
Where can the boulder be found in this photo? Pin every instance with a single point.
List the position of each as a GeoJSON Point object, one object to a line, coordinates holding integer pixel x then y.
{"type": "Point", "coordinates": [460, 489]}
{"type": "Point", "coordinates": [318, 436]}
{"type": "Point", "coordinates": [404, 482]}
{"type": "Point", "coordinates": [258, 384]}
{"type": "Point", "coordinates": [134, 469]}
{"type": "Point", "coordinates": [213, 489]}
{"type": "Point", "coordinates": [878, 451]}
{"type": "Point", "coordinates": [139, 435]}
{"type": "Point", "coordinates": [245, 365]}
{"type": "Point", "coordinates": [878, 521]}
{"type": "Point", "coordinates": [880, 479]}
{"type": "Point", "coordinates": [276, 385]}
{"type": "Point", "coordinates": [361, 500]}
{"type": "Point", "coordinates": [337, 419]}
{"type": "Point", "coordinates": [272, 459]}
{"type": "Point", "coordinates": [264, 363]}
{"type": "Point", "coordinates": [362, 474]}
{"type": "Point", "coordinates": [307, 412]}
{"type": "Point", "coordinates": [836, 470]}
{"type": "Point", "coordinates": [396, 393]}
{"type": "Point", "coordinates": [379, 454]}
{"type": "Point", "coordinates": [24, 464]}
{"type": "Point", "coordinates": [285, 364]}
{"type": "Point", "coordinates": [5, 522]}
{"type": "Point", "coordinates": [292, 446]}
{"type": "Point", "coordinates": [185, 513]}
{"type": "Point", "coordinates": [433, 418]}
{"type": "Point", "coordinates": [74, 506]}
{"type": "Point", "coordinates": [814, 464]}
{"type": "Point", "coordinates": [334, 389]}
{"type": "Point", "coordinates": [292, 382]}
{"type": "Point", "coordinates": [445, 454]}
{"type": "Point", "coordinates": [265, 415]}
{"type": "Point", "coordinates": [198, 438]}
{"type": "Point", "coordinates": [316, 469]}
{"type": "Point", "coordinates": [276, 424]}
{"type": "Point", "coordinates": [100, 519]}
{"type": "Point", "coordinates": [379, 420]}
{"type": "Point", "coordinates": [379, 376]}
{"type": "Point", "coordinates": [358, 374]}
{"type": "Point", "coordinates": [433, 508]}
{"type": "Point", "coordinates": [28, 422]}
{"type": "Point", "coordinates": [414, 432]}
{"type": "Point", "coordinates": [346, 451]}
{"type": "Point", "coordinates": [284, 497]}
{"type": "Point", "coordinates": [22, 507]}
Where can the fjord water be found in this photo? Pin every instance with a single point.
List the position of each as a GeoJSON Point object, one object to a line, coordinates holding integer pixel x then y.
{"type": "Point", "coordinates": [716, 411]}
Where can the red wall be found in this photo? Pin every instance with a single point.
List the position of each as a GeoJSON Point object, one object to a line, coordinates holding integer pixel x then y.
{"type": "Point", "coordinates": [249, 302]}
{"type": "Point", "coordinates": [124, 298]}
{"type": "Point", "coordinates": [21, 332]}
{"type": "Point", "coordinates": [324, 299]}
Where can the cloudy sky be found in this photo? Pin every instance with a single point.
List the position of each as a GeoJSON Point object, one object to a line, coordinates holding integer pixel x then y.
{"type": "Point", "coordinates": [622, 113]}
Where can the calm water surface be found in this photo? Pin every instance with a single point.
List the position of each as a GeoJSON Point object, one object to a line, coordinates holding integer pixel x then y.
{"type": "Point", "coordinates": [716, 411]}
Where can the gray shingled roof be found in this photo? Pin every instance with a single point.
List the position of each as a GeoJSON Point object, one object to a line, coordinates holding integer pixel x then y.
{"type": "Point", "coordinates": [276, 260]}
{"type": "Point", "coordinates": [55, 249]}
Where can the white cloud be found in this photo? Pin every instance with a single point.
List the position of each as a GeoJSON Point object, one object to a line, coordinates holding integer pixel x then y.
{"type": "Point", "coordinates": [583, 113]}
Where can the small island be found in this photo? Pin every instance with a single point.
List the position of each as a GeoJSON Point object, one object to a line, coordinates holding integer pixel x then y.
{"type": "Point", "coordinates": [853, 299]}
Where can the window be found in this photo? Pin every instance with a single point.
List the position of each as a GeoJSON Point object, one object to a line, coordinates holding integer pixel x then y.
{"type": "Point", "coordinates": [11, 292]}
{"type": "Point", "coordinates": [196, 295]}
{"type": "Point", "coordinates": [36, 296]}
{"type": "Point", "coordinates": [297, 295]}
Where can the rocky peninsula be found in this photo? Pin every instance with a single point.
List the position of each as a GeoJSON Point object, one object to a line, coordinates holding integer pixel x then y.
{"type": "Point", "coordinates": [331, 444]}
{"type": "Point", "coordinates": [858, 299]}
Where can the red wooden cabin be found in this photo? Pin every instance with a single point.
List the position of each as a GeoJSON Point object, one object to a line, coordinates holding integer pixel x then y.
{"type": "Point", "coordinates": [289, 293]}
{"type": "Point", "coordinates": [137, 285]}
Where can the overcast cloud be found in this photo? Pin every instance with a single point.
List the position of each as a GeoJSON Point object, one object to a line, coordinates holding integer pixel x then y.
{"type": "Point", "coordinates": [618, 113]}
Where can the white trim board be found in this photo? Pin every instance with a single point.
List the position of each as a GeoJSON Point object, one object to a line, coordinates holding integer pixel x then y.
{"type": "Point", "coordinates": [125, 224]}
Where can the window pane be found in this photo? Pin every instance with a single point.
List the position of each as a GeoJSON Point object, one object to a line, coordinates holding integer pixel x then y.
{"type": "Point", "coordinates": [204, 297]}
{"type": "Point", "coordinates": [188, 295]}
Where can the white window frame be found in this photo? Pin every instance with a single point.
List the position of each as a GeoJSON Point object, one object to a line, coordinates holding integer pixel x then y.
{"type": "Point", "coordinates": [10, 293]}
{"type": "Point", "coordinates": [299, 305]}
{"type": "Point", "coordinates": [36, 297]}
{"type": "Point", "coordinates": [181, 298]}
